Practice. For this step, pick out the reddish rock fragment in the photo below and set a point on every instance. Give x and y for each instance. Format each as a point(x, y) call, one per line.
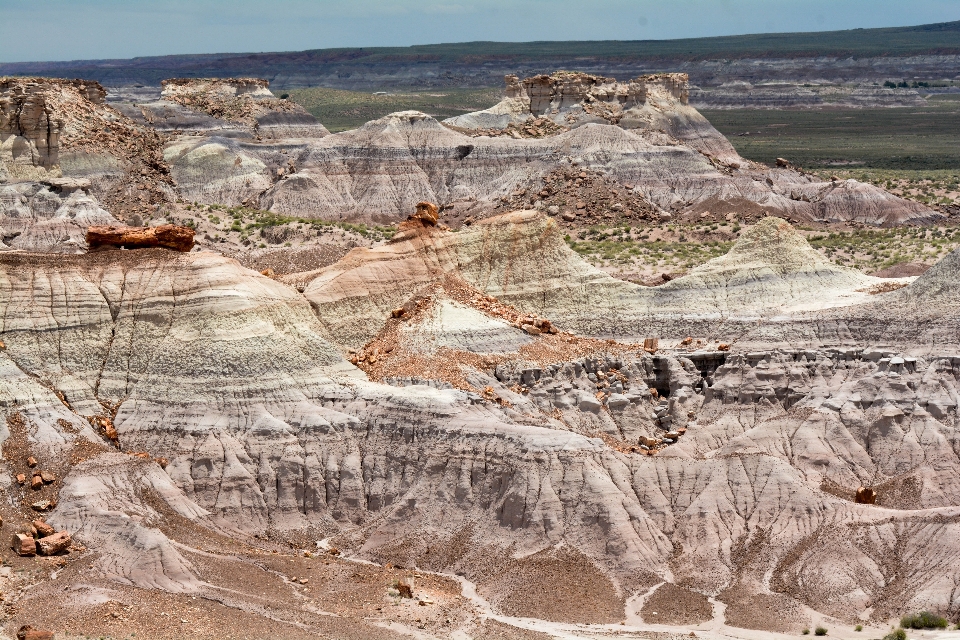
point(866, 495)
point(36, 482)
point(43, 529)
point(54, 544)
point(167, 236)
point(23, 544)
point(27, 632)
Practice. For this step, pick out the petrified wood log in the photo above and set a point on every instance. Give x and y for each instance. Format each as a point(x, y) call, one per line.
point(167, 236)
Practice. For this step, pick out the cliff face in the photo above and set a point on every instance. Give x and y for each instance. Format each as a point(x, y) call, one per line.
point(63, 128)
point(29, 129)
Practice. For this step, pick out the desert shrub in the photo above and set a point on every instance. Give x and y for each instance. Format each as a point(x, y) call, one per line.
point(897, 634)
point(923, 620)
point(805, 632)
point(820, 631)
point(859, 627)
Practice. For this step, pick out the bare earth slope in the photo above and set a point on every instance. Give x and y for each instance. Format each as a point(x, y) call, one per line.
point(642, 134)
point(521, 258)
point(267, 431)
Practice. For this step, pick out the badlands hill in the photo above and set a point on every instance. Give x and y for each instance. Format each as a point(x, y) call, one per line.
point(216, 457)
point(463, 429)
point(522, 259)
point(232, 144)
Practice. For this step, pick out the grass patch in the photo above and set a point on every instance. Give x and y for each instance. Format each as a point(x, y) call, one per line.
point(244, 220)
point(923, 620)
point(340, 110)
point(912, 138)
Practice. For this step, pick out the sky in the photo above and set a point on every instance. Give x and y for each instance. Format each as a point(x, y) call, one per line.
point(34, 30)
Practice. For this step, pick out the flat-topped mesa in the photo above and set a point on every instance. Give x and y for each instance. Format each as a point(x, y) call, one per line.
point(226, 87)
point(564, 89)
point(574, 98)
point(245, 101)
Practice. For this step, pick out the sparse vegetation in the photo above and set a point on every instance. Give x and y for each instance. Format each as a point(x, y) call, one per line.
point(820, 631)
point(805, 632)
point(923, 620)
point(909, 138)
point(680, 248)
point(896, 634)
point(859, 627)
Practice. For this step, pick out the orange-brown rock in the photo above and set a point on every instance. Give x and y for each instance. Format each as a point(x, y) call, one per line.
point(405, 587)
point(650, 345)
point(426, 215)
point(43, 529)
point(31, 461)
point(24, 545)
point(27, 632)
point(167, 236)
point(21, 478)
point(36, 482)
point(54, 544)
point(866, 495)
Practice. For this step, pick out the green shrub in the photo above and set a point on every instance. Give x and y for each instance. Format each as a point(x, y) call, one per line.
point(923, 620)
point(820, 631)
point(805, 632)
point(859, 627)
point(897, 634)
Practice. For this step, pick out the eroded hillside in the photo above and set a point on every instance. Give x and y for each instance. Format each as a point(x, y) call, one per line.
point(450, 424)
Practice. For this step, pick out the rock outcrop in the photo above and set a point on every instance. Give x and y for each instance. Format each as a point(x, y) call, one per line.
point(51, 216)
point(165, 236)
point(647, 467)
point(63, 128)
point(246, 102)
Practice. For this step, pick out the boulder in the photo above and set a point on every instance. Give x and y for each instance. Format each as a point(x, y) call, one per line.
point(617, 401)
point(43, 529)
point(27, 632)
point(866, 495)
point(427, 214)
point(167, 236)
point(54, 544)
point(23, 544)
point(405, 587)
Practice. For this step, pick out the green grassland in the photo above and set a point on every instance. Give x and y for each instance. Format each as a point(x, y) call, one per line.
point(341, 110)
point(914, 138)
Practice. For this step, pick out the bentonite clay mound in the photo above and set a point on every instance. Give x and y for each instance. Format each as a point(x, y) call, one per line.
point(165, 236)
point(267, 435)
point(522, 259)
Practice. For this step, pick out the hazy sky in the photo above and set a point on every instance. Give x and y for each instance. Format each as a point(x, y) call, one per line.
point(83, 29)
